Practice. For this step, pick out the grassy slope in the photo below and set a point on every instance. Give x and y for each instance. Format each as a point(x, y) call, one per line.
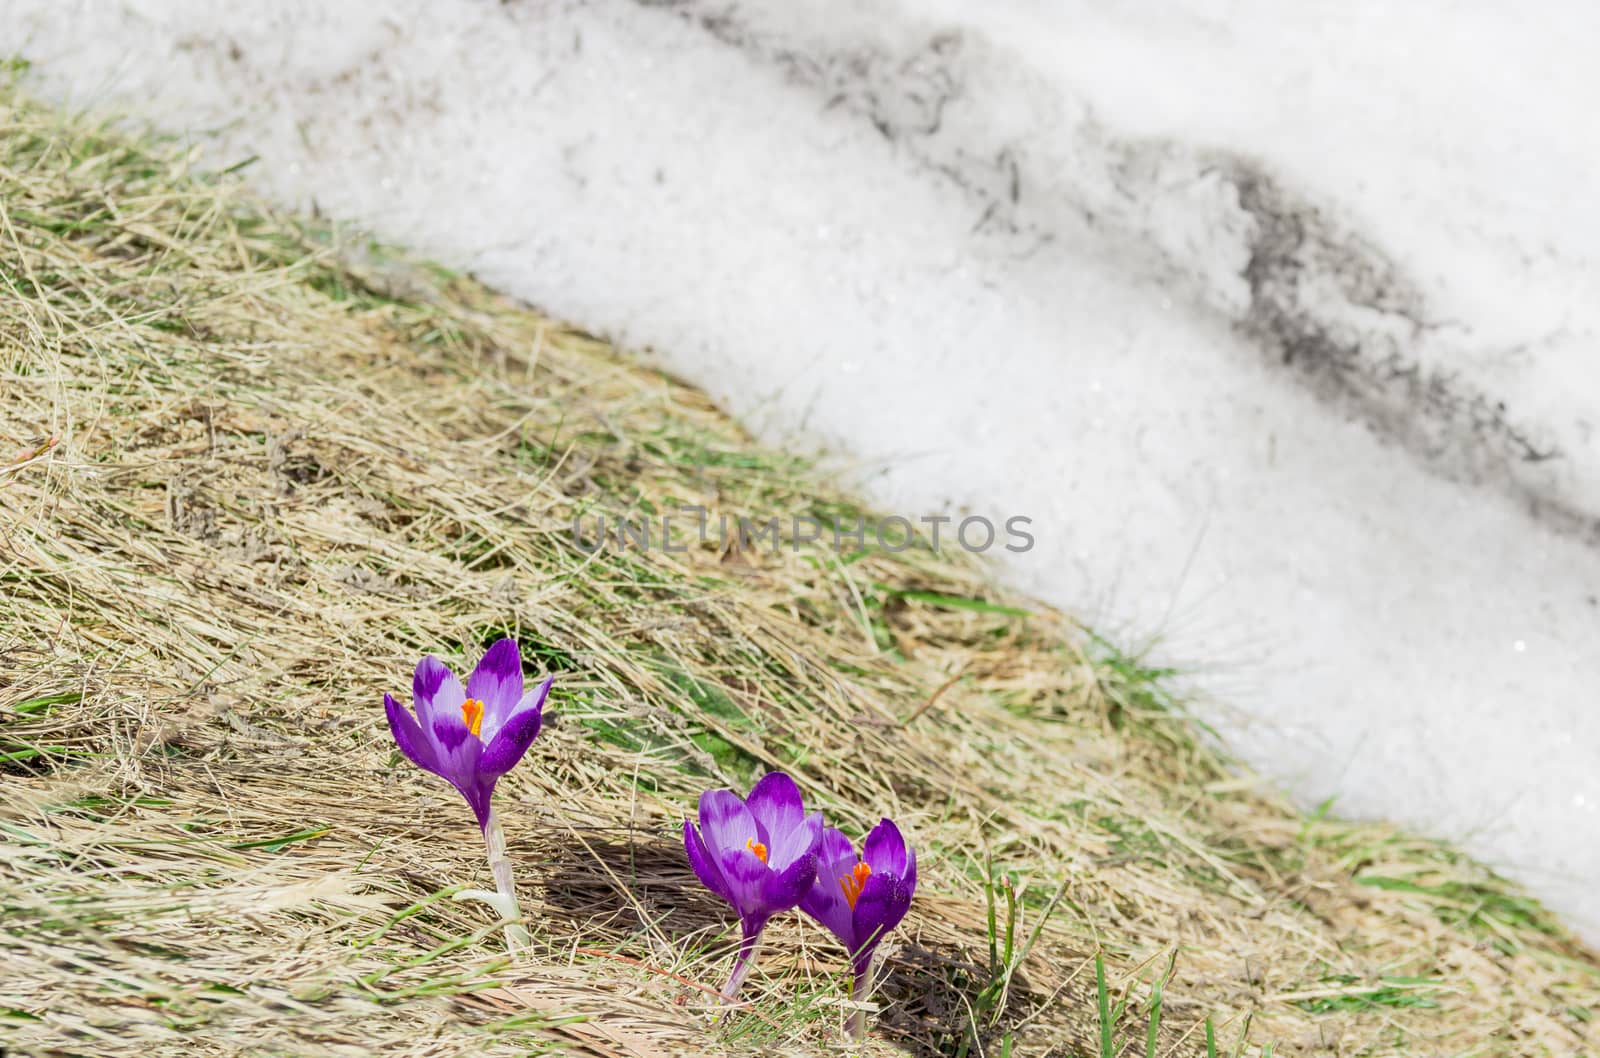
point(259, 474)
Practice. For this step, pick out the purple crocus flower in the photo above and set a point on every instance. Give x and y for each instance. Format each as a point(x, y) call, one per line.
point(469, 736)
point(759, 854)
point(860, 899)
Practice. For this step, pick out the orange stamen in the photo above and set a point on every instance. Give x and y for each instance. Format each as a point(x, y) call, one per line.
point(759, 849)
point(853, 882)
point(472, 713)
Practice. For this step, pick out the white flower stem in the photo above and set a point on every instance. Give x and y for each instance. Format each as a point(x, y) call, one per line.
point(855, 1025)
point(749, 945)
point(504, 898)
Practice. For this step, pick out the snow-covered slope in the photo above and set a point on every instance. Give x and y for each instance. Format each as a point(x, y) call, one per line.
point(1278, 320)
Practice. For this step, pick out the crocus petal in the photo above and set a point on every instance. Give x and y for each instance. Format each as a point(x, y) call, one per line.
point(449, 733)
point(836, 857)
point(803, 841)
point(783, 889)
point(746, 878)
point(885, 849)
point(497, 683)
point(825, 900)
point(726, 823)
point(408, 736)
point(533, 700)
point(774, 801)
point(512, 740)
point(790, 846)
point(878, 910)
point(705, 866)
point(455, 759)
point(436, 692)
point(479, 791)
point(458, 754)
point(835, 854)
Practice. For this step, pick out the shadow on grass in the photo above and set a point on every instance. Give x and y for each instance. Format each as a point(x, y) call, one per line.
point(602, 883)
point(928, 996)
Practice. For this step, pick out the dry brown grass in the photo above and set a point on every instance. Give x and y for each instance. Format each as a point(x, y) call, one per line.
point(258, 474)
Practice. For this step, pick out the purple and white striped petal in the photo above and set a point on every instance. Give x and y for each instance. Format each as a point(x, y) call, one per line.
point(825, 901)
point(408, 735)
point(759, 855)
point(704, 864)
point(497, 683)
point(774, 802)
point(870, 921)
point(725, 822)
point(457, 749)
point(861, 909)
point(746, 878)
point(439, 737)
point(506, 745)
point(783, 889)
point(435, 692)
point(885, 849)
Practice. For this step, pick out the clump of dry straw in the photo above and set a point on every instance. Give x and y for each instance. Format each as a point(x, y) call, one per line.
point(248, 475)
